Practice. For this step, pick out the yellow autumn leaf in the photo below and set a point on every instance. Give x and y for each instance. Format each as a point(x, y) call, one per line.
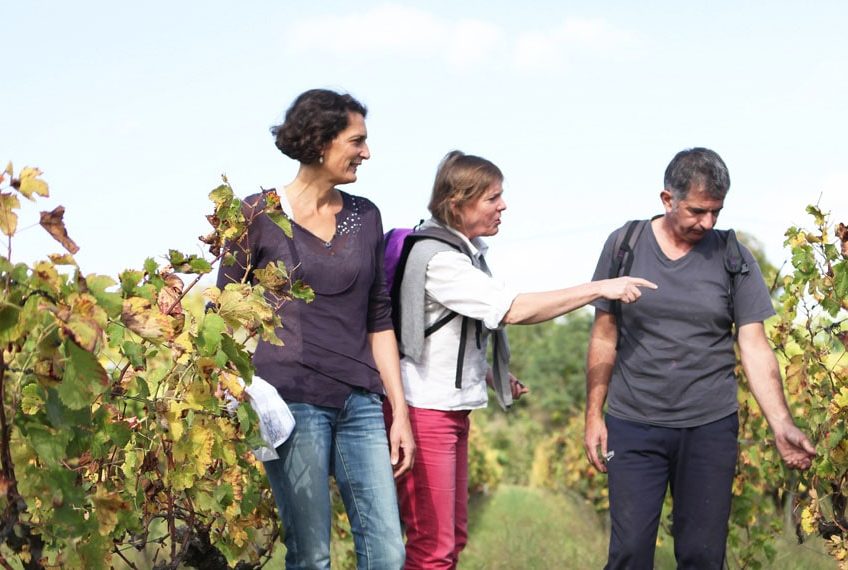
point(45, 272)
point(232, 384)
point(8, 218)
point(202, 441)
point(108, 504)
point(62, 259)
point(808, 520)
point(31, 183)
point(145, 320)
point(176, 424)
point(841, 399)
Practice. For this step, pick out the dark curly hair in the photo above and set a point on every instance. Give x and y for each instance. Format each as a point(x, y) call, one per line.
point(312, 121)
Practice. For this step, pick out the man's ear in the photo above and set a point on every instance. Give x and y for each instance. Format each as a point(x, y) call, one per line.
point(667, 199)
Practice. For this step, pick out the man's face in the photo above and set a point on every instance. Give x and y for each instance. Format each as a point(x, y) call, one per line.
point(692, 217)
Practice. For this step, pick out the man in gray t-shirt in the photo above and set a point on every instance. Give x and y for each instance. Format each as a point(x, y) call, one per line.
point(669, 381)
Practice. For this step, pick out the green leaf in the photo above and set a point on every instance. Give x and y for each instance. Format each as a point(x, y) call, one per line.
point(840, 280)
point(282, 222)
point(119, 432)
point(110, 301)
point(143, 390)
point(32, 399)
point(199, 266)
point(130, 280)
point(62, 417)
point(48, 443)
point(134, 353)
point(84, 378)
point(223, 494)
point(238, 356)
point(9, 319)
point(302, 291)
point(210, 333)
point(221, 195)
point(150, 266)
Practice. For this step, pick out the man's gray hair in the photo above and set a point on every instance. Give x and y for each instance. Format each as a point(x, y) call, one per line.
point(697, 167)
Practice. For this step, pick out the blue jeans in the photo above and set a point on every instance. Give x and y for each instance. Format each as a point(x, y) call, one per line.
point(698, 464)
point(349, 443)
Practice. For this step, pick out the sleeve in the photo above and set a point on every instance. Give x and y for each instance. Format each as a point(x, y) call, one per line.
point(379, 301)
point(602, 270)
point(243, 250)
point(454, 282)
point(751, 299)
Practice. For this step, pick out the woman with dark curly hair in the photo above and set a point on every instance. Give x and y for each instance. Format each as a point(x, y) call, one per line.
point(340, 355)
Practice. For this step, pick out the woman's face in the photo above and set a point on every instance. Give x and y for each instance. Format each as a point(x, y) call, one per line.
point(343, 155)
point(482, 217)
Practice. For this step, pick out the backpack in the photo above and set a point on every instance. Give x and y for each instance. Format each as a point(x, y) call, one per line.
point(398, 243)
point(622, 261)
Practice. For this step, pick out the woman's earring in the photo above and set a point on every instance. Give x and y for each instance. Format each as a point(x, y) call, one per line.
point(321, 159)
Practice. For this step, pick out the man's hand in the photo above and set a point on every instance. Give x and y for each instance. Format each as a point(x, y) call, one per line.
point(794, 447)
point(595, 442)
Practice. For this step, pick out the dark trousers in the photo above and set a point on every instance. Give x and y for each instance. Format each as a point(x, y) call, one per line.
point(698, 463)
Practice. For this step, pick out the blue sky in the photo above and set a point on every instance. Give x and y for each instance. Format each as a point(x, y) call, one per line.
point(134, 110)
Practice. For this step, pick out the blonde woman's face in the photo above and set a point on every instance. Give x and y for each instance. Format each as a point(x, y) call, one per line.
point(482, 217)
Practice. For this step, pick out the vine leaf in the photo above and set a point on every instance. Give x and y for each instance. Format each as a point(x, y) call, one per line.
point(142, 318)
point(53, 222)
point(108, 504)
point(30, 183)
point(8, 218)
point(84, 378)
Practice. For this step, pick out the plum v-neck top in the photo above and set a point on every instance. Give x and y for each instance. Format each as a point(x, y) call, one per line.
point(326, 353)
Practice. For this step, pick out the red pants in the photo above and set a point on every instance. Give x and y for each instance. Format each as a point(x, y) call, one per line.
point(433, 497)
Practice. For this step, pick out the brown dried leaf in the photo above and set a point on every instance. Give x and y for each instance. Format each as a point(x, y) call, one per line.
point(169, 295)
point(52, 222)
point(842, 234)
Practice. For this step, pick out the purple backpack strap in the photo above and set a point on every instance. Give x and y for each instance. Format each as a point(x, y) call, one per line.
point(393, 243)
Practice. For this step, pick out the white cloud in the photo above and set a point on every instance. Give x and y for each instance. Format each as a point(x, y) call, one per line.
point(574, 37)
point(396, 29)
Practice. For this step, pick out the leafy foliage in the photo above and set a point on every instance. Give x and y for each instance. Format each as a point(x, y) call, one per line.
point(115, 429)
point(812, 337)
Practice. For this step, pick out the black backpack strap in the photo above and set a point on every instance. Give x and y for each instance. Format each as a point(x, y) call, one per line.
point(440, 323)
point(734, 264)
point(460, 357)
point(734, 261)
point(622, 261)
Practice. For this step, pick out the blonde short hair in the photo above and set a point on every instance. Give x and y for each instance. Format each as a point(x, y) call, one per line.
point(460, 178)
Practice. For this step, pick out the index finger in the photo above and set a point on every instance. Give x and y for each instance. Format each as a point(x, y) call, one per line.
point(639, 282)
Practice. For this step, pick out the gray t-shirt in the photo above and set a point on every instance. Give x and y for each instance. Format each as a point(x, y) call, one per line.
point(675, 362)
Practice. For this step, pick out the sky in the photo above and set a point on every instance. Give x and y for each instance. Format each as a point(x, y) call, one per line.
point(134, 110)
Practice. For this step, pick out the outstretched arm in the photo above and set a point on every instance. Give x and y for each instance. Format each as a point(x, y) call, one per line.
point(531, 308)
point(763, 375)
point(599, 365)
